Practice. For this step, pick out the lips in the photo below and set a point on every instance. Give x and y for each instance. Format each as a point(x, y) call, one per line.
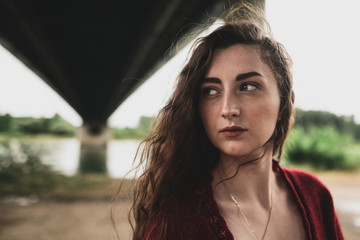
point(232, 131)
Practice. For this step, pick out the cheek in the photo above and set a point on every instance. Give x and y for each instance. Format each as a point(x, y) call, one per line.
point(267, 115)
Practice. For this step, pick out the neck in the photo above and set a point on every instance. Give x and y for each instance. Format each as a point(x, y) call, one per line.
point(247, 181)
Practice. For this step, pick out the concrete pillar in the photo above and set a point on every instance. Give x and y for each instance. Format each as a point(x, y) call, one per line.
point(94, 137)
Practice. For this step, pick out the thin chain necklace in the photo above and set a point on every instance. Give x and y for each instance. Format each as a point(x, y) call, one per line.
point(247, 221)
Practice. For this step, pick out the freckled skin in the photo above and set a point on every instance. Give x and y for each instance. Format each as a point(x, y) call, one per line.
point(251, 103)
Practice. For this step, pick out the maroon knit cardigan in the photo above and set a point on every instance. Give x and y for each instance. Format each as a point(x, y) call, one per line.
point(196, 215)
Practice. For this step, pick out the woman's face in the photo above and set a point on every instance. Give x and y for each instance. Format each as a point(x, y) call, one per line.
point(239, 103)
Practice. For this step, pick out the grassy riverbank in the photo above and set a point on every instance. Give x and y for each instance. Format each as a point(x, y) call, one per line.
point(53, 186)
point(46, 184)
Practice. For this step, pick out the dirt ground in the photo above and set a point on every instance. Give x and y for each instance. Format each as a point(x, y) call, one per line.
point(90, 219)
point(60, 221)
point(345, 189)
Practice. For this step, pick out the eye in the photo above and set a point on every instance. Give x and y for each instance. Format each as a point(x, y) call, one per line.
point(248, 87)
point(210, 91)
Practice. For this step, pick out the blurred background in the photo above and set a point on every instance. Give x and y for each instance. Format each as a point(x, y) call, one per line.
point(80, 85)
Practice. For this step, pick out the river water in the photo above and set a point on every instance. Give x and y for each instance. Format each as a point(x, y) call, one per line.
point(63, 154)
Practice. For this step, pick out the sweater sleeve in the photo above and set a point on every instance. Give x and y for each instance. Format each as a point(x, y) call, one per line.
point(317, 204)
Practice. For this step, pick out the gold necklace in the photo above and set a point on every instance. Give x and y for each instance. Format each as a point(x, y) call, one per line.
point(247, 221)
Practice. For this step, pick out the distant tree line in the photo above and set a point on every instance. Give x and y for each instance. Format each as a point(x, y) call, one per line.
point(324, 141)
point(29, 125)
point(139, 132)
point(345, 125)
point(58, 126)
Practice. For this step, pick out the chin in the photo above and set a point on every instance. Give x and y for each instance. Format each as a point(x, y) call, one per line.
point(235, 153)
point(238, 152)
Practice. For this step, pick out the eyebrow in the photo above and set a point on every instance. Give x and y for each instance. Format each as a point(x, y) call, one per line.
point(243, 76)
point(239, 77)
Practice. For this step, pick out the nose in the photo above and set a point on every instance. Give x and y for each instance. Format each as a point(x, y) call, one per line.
point(230, 108)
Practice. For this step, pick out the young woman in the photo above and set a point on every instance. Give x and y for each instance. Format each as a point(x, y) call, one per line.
point(210, 169)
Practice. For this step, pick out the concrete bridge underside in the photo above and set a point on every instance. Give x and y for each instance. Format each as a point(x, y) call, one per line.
point(95, 53)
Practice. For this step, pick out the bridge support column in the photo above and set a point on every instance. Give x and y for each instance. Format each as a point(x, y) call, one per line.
point(94, 138)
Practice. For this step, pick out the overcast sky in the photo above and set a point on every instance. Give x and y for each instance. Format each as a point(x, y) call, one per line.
point(322, 37)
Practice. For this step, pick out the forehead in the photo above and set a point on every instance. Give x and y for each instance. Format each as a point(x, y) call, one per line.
point(238, 57)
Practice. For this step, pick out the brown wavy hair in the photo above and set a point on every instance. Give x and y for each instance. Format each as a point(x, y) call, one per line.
point(177, 150)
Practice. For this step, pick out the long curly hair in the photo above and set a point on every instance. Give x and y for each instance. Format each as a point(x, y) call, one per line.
point(177, 150)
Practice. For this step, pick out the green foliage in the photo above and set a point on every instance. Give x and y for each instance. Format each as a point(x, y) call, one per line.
point(145, 123)
point(322, 148)
point(343, 124)
point(19, 163)
point(6, 123)
point(126, 133)
point(356, 132)
point(31, 126)
point(58, 126)
point(28, 125)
